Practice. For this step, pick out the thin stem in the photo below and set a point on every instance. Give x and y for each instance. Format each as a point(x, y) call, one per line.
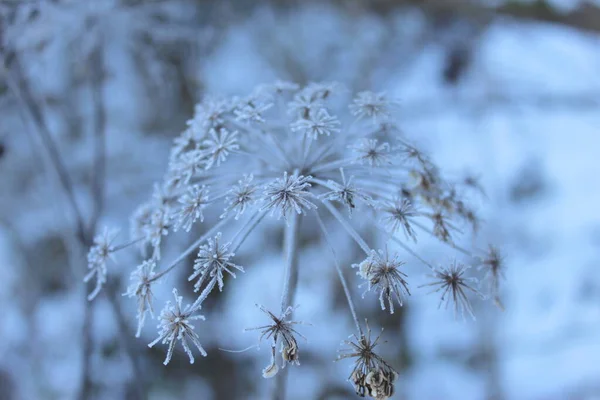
point(291, 264)
point(289, 290)
point(190, 249)
point(340, 274)
point(351, 231)
point(98, 178)
point(21, 92)
point(408, 249)
point(249, 227)
point(204, 294)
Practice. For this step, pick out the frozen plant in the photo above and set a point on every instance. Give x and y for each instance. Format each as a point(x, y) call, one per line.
point(307, 154)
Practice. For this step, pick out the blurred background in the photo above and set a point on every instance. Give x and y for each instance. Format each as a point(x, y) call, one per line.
point(506, 90)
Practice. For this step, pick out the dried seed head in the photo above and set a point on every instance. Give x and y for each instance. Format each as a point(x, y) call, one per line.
point(175, 325)
point(382, 272)
point(288, 194)
point(281, 329)
point(371, 374)
point(453, 284)
point(140, 288)
point(345, 192)
point(399, 215)
point(191, 205)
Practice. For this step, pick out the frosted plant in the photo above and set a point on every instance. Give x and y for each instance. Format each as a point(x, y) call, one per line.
point(300, 155)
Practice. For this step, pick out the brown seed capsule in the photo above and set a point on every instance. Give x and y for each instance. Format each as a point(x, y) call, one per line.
point(290, 353)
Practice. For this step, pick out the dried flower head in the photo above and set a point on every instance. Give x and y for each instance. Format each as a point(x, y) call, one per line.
point(345, 192)
point(99, 254)
point(317, 123)
point(192, 204)
point(399, 215)
point(288, 194)
point(382, 272)
point(493, 265)
point(282, 329)
point(453, 284)
point(241, 196)
point(372, 153)
point(212, 261)
point(371, 374)
point(140, 288)
point(218, 145)
point(175, 325)
point(372, 105)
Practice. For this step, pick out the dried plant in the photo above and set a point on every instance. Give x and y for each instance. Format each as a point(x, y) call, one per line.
point(287, 152)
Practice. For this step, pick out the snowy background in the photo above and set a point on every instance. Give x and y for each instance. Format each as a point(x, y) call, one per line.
point(509, 91)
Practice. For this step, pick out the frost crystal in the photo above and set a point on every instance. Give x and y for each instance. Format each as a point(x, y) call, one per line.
point(175, 325)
